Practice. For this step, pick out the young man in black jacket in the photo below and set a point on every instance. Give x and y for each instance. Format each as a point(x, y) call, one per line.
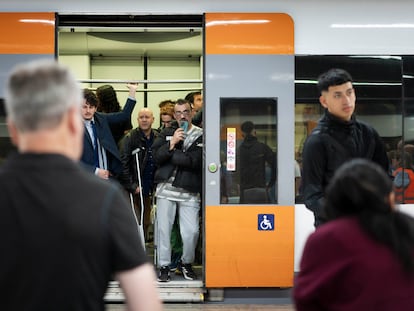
point(253, 158)
point(178, 152)
point(337, 138)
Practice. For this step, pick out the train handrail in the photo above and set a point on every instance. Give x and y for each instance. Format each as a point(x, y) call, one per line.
point(111, 81)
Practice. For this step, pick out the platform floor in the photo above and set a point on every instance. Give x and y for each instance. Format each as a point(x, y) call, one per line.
point(212, 307)
point(280, 302)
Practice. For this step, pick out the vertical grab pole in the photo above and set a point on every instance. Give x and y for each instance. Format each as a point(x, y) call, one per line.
point(141, 222)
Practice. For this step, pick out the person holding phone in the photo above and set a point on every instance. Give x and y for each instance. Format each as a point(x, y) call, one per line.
point(178, 153)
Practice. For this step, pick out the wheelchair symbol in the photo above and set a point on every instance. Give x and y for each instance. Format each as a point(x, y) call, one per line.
point(266, 222)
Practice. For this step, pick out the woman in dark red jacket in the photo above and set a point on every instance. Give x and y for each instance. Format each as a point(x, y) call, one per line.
point(363, 258)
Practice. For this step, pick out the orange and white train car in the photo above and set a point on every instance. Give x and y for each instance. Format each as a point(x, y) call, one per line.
point(255, 60)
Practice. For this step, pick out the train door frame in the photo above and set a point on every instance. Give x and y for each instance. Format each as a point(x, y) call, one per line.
point(177, 289)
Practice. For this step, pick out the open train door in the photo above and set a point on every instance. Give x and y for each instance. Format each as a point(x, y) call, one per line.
point(249, 76)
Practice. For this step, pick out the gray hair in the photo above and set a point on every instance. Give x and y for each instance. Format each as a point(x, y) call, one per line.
point(39, 93)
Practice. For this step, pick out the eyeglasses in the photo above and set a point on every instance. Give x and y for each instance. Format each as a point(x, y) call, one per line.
point(185, 113)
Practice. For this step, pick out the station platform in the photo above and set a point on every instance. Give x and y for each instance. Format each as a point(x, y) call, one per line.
point(177, 290)
point(213, 307)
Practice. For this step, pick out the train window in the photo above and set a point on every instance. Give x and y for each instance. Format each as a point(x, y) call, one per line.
point(384, 86)
point(248, 143)
point(404, 158)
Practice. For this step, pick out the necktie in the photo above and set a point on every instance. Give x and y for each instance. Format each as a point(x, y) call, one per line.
point(95, 144)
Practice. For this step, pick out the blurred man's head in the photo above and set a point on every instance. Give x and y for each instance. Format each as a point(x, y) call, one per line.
point(43, 102)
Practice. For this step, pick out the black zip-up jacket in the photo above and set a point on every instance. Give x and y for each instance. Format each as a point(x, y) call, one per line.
point(253, 156)
point(332, 143)
point(131, 142)
point(188, 164)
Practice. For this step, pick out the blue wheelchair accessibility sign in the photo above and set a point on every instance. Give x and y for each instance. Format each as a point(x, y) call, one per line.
point(265, 222)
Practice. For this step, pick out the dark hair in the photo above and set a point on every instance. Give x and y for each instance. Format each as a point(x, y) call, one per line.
point(181, 101)
point(108, 102)
point(361, 188)
point(247, 127)
point(90, 97)
point(333, 77)
point(190, 96)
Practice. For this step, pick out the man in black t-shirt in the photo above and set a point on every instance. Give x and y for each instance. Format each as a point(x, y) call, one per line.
point(63, 232)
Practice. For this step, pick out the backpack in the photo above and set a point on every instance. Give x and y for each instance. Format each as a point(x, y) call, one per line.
point(402, 179)
point(332, 144)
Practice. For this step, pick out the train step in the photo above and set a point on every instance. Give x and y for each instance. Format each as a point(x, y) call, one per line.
point(173, 291)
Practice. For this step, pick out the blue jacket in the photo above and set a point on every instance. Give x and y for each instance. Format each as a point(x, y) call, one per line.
point(102, 123)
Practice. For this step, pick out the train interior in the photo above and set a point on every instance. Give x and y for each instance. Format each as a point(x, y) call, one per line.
point(165, 54)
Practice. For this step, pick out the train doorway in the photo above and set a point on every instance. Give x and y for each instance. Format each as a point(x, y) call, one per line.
point(164, 55)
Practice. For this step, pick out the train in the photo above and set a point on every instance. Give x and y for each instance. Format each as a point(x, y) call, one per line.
point(252, 60)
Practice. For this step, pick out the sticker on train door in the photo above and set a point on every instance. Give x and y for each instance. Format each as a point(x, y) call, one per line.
point(266, 222)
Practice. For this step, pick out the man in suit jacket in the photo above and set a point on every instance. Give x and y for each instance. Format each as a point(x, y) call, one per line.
point(102, 157)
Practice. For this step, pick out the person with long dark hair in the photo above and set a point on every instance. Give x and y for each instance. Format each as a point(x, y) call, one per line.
point(108, 103)
point(363, 257)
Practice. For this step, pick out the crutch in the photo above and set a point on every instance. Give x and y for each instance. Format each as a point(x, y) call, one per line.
point(139, 223)
point(131, 198)
point(155, 228)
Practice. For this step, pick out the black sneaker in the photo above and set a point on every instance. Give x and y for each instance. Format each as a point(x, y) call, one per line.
point(164, 275)
point(186, 270)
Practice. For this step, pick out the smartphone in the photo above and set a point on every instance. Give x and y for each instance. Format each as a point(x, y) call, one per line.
point(184, 126)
